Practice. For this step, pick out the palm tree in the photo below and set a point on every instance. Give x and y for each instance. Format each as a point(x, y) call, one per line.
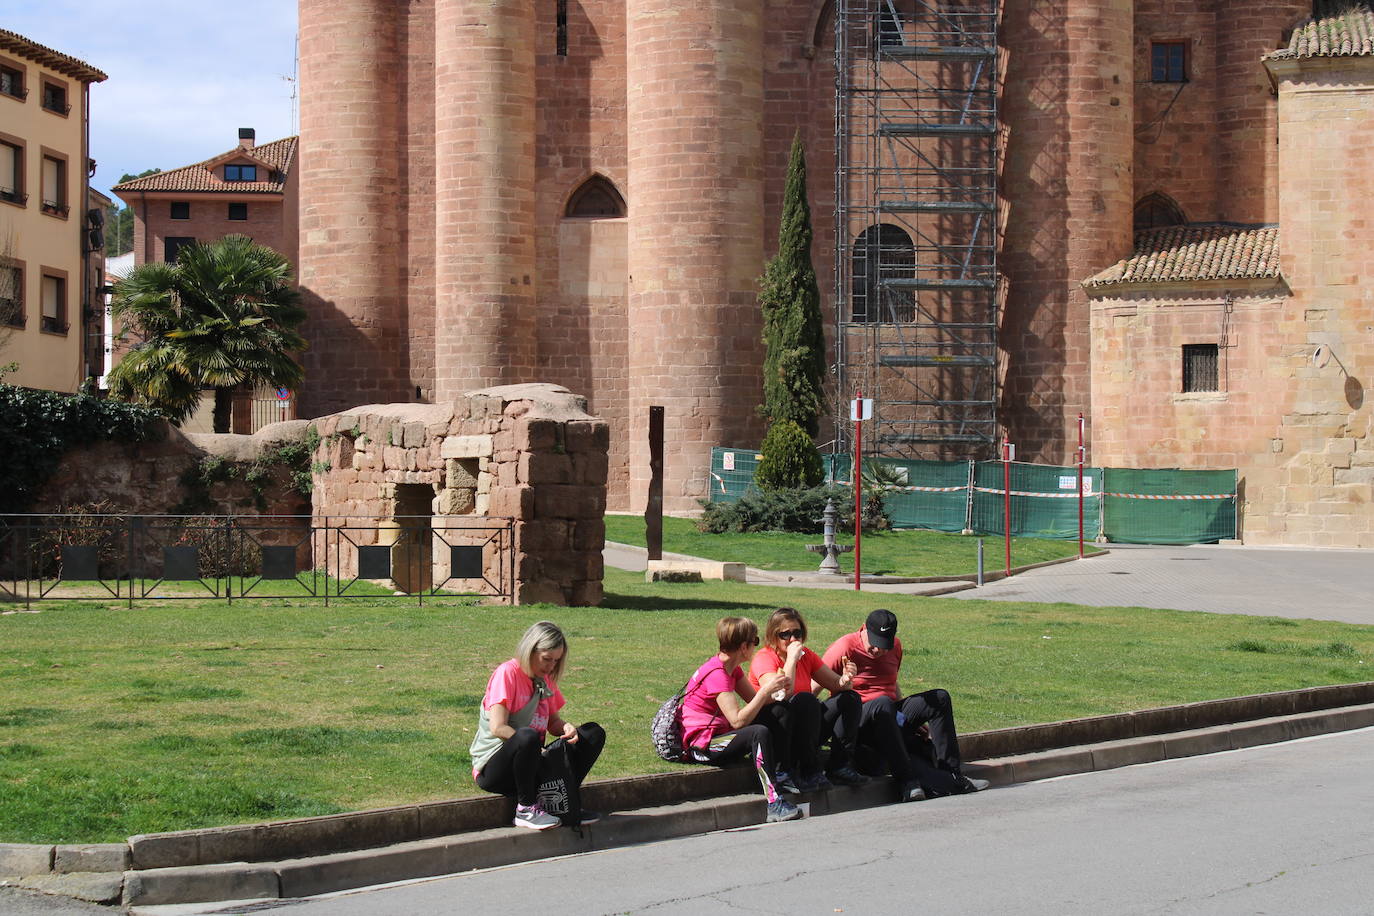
point(222, 316)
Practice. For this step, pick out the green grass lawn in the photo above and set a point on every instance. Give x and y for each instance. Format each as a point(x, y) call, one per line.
point(168, 716)
point(893, 553)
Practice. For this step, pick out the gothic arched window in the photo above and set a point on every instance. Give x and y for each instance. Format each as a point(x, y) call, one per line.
point(596, 198)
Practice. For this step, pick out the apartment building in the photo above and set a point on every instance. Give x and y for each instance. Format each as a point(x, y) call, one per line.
point(51, 251)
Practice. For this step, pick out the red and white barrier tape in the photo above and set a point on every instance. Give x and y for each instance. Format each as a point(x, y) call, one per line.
point(1157, 496)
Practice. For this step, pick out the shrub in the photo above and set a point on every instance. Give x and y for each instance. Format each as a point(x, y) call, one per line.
point(38, 427)
point(797, 510)
point(789, 459)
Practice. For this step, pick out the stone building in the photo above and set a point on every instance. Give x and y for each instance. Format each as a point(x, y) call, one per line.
point(50, 258)
point(584, 193)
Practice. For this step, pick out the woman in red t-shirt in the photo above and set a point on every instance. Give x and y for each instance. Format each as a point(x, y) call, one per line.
point(811, 722)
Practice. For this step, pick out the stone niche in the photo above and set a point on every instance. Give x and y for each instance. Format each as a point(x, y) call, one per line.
point(421, 479)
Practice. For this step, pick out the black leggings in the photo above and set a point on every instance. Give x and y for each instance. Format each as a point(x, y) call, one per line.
point(800, 718)
point(753, 743)
point(840, 726)
point(880, 737)
point(514, 768)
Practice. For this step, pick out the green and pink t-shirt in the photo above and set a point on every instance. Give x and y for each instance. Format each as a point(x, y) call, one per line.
point(513, 688)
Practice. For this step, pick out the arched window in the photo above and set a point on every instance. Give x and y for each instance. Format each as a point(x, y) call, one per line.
point(1155, 211)
point(597, 198)
point(882, 252)
point(891, 27)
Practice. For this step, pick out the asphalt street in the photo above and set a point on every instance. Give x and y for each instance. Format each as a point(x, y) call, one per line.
point(1273, 582)
point(1276, 829)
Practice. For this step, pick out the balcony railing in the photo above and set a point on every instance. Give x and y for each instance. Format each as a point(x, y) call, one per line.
point(56, 209)
point(14, 196)
point(54, 325)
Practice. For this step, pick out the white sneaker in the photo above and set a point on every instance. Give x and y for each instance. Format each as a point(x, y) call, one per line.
point(534, 817)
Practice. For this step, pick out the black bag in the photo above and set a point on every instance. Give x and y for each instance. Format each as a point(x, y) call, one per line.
point(666, 728)
point(559, 793)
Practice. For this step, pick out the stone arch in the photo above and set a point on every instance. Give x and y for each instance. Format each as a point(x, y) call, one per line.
point(595, 198)
point(1157, 210)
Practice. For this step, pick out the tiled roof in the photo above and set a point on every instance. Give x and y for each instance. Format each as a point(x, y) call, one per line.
point(65, 64)
point(1348, 32)
point(1196, 251)
point(275, 157)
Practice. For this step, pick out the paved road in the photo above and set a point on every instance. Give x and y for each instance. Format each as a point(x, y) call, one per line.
point(1277, 829)
point(15, 901)
point(1272, 582)
point(1320, 584)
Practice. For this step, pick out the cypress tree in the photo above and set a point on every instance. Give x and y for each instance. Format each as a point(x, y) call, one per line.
point(794, 364)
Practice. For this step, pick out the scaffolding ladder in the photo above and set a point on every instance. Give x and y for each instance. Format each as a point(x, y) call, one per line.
point(916, 293)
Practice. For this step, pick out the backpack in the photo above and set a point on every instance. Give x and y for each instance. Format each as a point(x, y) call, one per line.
point(666, 728)
point(559, 793)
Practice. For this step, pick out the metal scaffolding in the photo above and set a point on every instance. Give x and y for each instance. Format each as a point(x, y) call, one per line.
point(916, 291)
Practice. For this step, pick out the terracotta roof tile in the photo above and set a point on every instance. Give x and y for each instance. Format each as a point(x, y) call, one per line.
point(65, 64)
point(1348, 32)
point(276, 156)
point(1196, 251)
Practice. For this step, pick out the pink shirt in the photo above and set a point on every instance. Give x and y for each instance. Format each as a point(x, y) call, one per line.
point(702, 719)
point(766, 660)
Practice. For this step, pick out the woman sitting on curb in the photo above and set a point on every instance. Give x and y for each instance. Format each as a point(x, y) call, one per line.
point(718, 730)
point(812, 723)
point(521, 706)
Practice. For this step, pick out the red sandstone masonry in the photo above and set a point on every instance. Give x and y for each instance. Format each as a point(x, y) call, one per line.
point(349, 269)
point(696, 177)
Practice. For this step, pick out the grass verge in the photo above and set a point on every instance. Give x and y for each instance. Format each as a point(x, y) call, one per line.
point(889, 553)
point(189, 714)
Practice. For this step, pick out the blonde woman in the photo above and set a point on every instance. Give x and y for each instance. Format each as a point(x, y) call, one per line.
point(520, 708)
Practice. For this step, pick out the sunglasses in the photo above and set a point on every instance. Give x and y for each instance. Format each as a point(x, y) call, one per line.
point(789, 634)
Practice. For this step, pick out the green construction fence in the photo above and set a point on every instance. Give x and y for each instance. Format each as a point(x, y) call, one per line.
point(1161, 506)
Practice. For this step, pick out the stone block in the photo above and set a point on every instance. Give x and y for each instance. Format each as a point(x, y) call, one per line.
point(534, 434)
point(591, 468)
point(1050, 764)
point(1201, 741)
point(538, 468)
point(589, 534)
point(586, 594)
point(200, 884)
point(564, 501)
point(515, 502)
point(164, 850)
point(587, 436)
point(539, 591)
point(651, 824)
point(25, 859)
point(461, 472)
point(707, 569)
point(102, 857)
point(454, 501)
point(466, 447)
point(412, 435)
point(97, 887)
point(1113, 754)
point(672, 575)
point(544, 536)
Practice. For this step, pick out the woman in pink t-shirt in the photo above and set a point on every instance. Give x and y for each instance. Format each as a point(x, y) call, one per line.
point(520, 708)
point(726, 720)
point(811, 722)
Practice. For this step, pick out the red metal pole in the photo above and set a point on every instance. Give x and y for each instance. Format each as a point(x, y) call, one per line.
point(1006, 501)
point(858, 488)
point(1080, 486)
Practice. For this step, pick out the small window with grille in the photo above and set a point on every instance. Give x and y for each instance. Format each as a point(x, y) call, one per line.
point(1200, 367)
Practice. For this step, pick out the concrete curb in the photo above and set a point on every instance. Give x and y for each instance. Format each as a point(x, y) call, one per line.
point(506, 845)
point(313, 855)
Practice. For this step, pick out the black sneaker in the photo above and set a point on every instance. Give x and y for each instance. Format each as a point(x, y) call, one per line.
point(785, 783)
point(847, 776)
point(589, 817)
point(966, 785)
point(912, 791)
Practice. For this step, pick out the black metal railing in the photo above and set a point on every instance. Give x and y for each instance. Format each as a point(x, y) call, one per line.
point(178, 557)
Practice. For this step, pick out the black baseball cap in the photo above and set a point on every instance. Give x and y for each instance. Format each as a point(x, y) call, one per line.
point(882, 629)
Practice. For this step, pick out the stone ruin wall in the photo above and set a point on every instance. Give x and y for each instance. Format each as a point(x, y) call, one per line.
point(528, 453)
